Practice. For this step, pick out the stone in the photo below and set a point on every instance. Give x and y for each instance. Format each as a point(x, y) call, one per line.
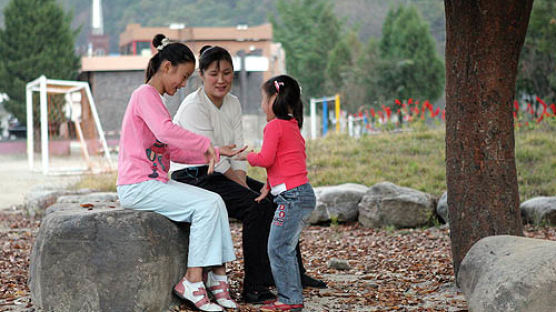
point(106, 259)
point(338, 202)
point(338, 264)
point(386, 204)
point(509, 273)
point(89, 198)
point(539, 210)
point(442, 208)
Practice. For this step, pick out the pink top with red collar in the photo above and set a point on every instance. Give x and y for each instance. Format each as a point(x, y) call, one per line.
point(149, 140)
point(282, 154)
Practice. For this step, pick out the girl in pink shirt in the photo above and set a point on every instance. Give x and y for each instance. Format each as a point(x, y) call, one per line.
point(149, 140)
point(283, 156)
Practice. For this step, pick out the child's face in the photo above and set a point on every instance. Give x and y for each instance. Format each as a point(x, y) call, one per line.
point(176, 76)
point(266, 105)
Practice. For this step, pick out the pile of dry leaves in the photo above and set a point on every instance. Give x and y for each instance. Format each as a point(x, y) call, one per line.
point(390, 270)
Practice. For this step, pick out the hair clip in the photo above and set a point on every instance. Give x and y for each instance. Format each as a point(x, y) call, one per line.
point(277, 85)
point(163, 44)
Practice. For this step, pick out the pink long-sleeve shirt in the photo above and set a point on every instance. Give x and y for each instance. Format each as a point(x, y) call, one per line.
point(149, 140)
point(282, 154)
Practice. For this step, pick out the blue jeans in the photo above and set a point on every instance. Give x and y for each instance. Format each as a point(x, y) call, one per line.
point(294, 207)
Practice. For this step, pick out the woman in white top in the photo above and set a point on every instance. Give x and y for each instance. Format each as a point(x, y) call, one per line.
point(213, 112)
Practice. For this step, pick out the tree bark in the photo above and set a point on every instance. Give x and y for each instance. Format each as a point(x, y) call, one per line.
point(483, 42)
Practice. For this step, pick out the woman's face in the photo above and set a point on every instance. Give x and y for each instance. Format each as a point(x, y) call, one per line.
point(217, 79)
point(176, 76)
point(266, 105)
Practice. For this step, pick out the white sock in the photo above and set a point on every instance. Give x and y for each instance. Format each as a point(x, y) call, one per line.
point(194, 285)
point(219, 278)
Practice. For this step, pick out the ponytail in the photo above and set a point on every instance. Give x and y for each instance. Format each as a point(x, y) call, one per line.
point(288, 97)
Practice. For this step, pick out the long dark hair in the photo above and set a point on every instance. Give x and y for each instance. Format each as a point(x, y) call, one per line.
point(175, 52)
point(210, 54)
point(288, 97)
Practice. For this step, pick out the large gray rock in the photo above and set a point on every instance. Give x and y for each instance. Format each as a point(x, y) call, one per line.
point(510, 273)
point(539, 210)
point(338, 202)
point(442, 208)
point(40, 197)
point(386, 204)
point(106, 259)
point(89, 198)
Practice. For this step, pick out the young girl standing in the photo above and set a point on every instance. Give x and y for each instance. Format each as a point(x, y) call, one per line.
point(283, 156)
point(149, 140)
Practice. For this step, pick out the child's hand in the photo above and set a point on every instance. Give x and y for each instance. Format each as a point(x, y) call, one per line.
point(264, 193)
point(211, 157)
point(228, 150)
point(243, 155)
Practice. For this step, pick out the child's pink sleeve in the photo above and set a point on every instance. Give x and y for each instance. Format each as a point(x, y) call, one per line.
point(151, 109)
point(265, 158)
point(190, 157)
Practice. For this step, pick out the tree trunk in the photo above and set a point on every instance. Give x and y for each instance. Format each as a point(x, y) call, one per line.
point(483, 42)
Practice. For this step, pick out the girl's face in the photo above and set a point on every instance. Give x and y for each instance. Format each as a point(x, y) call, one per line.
point(176, 76)
point(217, 80)
point(266, 105)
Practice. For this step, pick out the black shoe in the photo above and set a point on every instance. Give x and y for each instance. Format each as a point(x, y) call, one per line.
point(258, 296)
point(308, 281)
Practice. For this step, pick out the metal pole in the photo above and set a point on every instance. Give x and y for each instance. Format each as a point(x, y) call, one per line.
point(337, 108)
point(313, 108)
point(242, 81)
point(324, 117)
point(44, 125)
point(30, 147)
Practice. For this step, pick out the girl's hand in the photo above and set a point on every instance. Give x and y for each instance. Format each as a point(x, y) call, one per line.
point(211, 157)
point(243, 155)
point(264, 193)
point(228, 150)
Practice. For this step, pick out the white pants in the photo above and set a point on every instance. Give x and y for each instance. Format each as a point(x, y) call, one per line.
point(210, 240)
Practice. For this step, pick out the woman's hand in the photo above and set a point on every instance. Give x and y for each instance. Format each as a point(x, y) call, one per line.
point(228, 150)
point(211, 157)
point(264, 193)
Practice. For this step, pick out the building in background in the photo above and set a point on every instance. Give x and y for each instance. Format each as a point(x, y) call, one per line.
point(113, 78)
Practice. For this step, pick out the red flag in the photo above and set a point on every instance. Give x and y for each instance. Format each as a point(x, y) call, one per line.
point(516, 105)
point(410, 101)
point(373, 112)
point(398, 102)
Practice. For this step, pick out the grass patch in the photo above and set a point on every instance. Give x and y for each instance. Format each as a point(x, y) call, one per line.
point(411, 159)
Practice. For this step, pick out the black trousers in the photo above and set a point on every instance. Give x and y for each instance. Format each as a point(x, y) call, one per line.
point(255, 217)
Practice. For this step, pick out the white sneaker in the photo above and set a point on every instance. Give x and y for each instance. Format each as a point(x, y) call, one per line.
point(198, 297)
point(220, 290)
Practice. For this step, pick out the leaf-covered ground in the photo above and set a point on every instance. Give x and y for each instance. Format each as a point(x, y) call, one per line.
point(391, 270)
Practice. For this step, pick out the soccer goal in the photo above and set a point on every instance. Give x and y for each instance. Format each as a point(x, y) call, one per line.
point(68, 118)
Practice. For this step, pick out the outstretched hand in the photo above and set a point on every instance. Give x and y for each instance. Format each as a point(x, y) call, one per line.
point(243, 154)
point(264, 193)
point(228, 150)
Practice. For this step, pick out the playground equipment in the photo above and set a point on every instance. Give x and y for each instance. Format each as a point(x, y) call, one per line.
point(50, 86)
point(313, 109)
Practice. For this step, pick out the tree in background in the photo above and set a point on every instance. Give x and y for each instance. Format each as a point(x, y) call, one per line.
point(37, 40)
point(537, 75)
point(410, 66)
point(308, 30)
